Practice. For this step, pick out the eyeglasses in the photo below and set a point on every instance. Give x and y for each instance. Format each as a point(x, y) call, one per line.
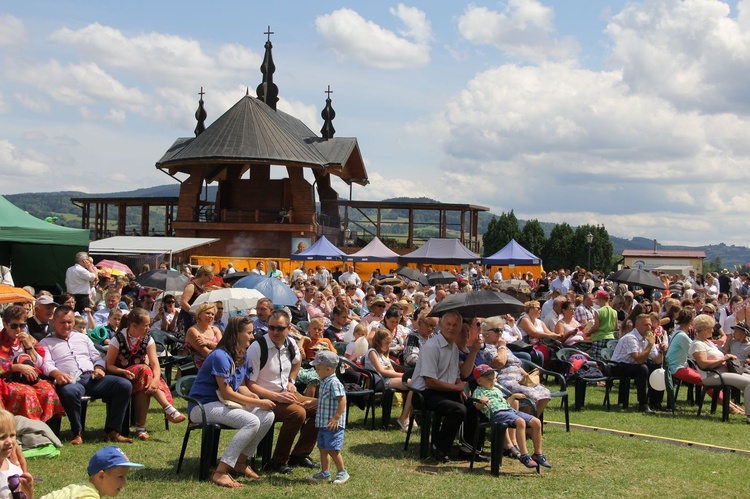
point(496, 330)
point(277, 329)
point(708, 311)
point(169, 302)
point(17, 326)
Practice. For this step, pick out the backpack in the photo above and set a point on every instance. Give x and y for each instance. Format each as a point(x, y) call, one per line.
point(581, 366)
point(264, 351)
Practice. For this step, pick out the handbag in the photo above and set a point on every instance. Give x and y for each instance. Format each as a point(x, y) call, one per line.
point(531, 379)
point(229, 403)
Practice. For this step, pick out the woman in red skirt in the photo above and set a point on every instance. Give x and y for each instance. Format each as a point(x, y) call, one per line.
point(132, 355)
point(21, 359)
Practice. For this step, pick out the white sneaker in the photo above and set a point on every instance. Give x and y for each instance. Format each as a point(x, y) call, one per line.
point(341, 477)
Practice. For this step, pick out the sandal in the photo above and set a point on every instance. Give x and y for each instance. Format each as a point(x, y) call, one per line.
point(512, 452)
point(225, 480)
point(248, 472)
point(143, 435)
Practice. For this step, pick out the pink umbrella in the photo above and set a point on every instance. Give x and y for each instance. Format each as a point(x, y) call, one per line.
point(114, 267)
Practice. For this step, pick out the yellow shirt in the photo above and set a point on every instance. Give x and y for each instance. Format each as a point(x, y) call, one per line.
point(74, 491)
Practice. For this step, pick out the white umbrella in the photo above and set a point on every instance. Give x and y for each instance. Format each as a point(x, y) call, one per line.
point(234, 299)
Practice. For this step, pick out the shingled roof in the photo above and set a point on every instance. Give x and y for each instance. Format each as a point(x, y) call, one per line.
point(252, 132)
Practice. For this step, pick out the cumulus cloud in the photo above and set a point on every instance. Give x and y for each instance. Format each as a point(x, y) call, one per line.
point(693, 54)
point(12, 31)
point(35, 103)
point(354, 38)
point(524, 30)
point(20, 163)
point(644, 154)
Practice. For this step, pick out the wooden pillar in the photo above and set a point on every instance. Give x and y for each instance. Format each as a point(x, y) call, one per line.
point(122, 211)
point(377, 225)
point(463, 229)
point(410, 238)
point(168, 217)
point(144, 219)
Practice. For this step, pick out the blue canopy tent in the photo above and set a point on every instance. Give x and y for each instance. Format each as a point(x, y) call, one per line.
point(441, 251)
point(322, 250)
point(515, 255)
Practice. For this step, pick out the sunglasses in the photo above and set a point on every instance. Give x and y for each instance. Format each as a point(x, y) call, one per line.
point(496, 330)
point(277, 329)
point(17, 326)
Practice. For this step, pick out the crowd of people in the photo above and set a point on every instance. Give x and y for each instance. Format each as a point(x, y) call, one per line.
point(278, 364)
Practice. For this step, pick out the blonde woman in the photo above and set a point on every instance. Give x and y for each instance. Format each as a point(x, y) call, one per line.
point(202, 338)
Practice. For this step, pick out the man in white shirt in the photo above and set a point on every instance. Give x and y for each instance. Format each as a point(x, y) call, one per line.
point(636, 355)
point(79, 278)
point(498, 275)
point(561, 282)
point(322, 276)
point(78, 369)
point(230, 268)
point(275, 381)
point(554, 315)
point(258, 269)
point(350, 277)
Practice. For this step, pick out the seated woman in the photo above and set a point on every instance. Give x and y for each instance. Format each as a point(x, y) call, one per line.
point(511, 374)
point(132, 355)
point(399, 332)
point(203, 337)
point(530, 324)
point(377, 360)
point(318, 307)
point(166, 317)
point(569, 329)
point(492, 331)
point(21, 359)
point(707, 355)
point(225, 372)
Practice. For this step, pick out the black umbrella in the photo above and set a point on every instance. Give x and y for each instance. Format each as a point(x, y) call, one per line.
point(232, 278)
point(440, 277)
point(166, 280)
point(637, 277)
point(479, 304)
point(412, 275)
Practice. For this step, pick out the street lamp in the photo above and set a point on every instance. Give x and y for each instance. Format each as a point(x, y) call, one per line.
point(589, 240)
point(347, 234)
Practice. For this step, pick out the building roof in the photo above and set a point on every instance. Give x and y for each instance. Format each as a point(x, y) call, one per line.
point(251, 132)
point(665, 253)
point(146, 245)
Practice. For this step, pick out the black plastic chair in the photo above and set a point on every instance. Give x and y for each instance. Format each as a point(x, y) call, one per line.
point(579, 383)
point(165, 344)
point(365, 393)
point(210, 432)
point(721, 388)
point(497, 440)
point(428, 421)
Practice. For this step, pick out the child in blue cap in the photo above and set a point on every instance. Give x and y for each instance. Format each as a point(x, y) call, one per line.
point(108, 475)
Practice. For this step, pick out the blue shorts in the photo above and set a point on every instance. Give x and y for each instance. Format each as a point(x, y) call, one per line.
point(508, 417)
point(330, 440)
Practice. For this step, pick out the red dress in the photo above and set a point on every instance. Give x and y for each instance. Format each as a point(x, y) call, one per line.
point(38, 401)
point(132, 356)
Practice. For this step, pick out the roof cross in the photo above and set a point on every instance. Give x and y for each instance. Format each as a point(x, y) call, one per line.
point(269, 33)
point(329, 91)
point(201, 93)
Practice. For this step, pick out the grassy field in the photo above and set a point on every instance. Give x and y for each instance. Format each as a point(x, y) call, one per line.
point(585, 463)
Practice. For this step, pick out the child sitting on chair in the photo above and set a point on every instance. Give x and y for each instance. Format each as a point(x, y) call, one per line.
point(498, 410)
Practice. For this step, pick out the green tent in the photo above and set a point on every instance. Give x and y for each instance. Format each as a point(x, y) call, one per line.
point(38, 252)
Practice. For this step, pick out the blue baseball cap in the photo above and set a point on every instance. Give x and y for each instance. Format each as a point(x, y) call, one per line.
point(109, 457)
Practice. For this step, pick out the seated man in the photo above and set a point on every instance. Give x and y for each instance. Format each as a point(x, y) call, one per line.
point(111, 301)
point(438, 376)
point(272, 377)
point(78, 369)
point(636, 356)
point(39, 324)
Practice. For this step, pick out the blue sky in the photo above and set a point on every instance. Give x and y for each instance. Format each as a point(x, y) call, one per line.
point(629, 114)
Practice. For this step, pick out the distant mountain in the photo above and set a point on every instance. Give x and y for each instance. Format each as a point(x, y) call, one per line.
point(58, 204)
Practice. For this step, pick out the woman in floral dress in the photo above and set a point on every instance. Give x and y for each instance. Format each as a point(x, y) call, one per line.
point(21, 359)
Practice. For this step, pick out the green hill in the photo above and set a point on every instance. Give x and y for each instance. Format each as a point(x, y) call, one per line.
point(58, 204)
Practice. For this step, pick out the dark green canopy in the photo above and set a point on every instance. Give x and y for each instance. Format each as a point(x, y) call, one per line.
point(38, 252)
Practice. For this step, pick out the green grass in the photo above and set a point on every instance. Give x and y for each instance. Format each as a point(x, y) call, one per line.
point(585, 463)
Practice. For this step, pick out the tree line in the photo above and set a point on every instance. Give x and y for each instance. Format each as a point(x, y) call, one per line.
point(564, 248)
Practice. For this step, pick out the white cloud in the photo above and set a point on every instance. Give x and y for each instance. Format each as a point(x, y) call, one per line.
point(307, 113)
point(20, 163)
point(524, 30)
point(35, 103)
point(115, 116)
point(354, 38)
point(692, 53)
point(12, 31)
